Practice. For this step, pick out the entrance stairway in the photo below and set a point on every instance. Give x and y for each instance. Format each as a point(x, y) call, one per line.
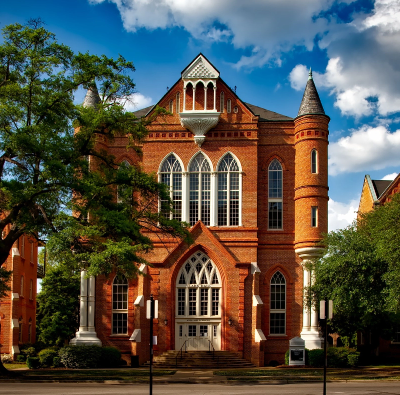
point(200, 360)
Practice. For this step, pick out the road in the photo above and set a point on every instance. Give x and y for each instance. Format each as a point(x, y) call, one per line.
point(353, 388)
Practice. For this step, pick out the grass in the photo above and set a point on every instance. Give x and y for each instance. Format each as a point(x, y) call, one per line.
point(15, 365)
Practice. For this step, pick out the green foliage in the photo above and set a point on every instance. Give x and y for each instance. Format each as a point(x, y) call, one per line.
point(33, 362)
point(5, 276)
point(21, 358)
point(360, 272)
point(79, 357)
point(287, 357)
point(58, 307)
point(353, 359)
point(337, 356)
point(57, 362)
point(110, 357)
point(47, 355)
point(316, 358)
point(28, 350)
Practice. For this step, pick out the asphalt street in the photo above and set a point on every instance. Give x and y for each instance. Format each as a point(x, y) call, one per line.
point(353, 388)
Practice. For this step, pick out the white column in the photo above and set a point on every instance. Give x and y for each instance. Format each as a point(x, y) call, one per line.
point(91, 303)
point(83, 303)
point(314, 311)
point(185, 197)
point(215, 98)
point(184, 99)
point(205, 98)
point(306, 310)
point(194, 98)
point(213, 199)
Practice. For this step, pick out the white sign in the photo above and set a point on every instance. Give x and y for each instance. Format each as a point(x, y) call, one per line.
point(148, 307)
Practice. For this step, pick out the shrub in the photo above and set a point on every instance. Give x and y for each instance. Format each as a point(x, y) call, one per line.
point(316, 358)
point(353, 358)
point(110, 357)
point(77, 357)
point(33, 362)
point(337, 356)
point(21, 358)
point(47, 355)
point(7, 358)
point(57, 362)
point(287, 357)
point(29, 352)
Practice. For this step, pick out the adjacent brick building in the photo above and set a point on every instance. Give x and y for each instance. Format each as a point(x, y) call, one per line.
point(253, 185)
point(18, 308)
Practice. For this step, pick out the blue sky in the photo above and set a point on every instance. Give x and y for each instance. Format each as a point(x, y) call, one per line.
point(264, 48)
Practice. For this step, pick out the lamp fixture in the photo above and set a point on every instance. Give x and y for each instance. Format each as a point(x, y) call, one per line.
point(230, 322)
point(165, 322)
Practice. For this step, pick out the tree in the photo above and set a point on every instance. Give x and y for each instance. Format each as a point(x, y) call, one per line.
point(359, 272)
point(48, 188)
point(58, 307)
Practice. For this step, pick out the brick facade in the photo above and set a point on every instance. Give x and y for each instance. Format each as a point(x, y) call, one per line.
point(247, 256)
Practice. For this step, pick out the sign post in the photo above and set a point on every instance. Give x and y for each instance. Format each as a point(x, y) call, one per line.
point(325, 312)
point(151, 313)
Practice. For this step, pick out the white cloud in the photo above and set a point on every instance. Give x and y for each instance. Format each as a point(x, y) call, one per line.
point(299, 75)
point(137, 101)
point(368, 148)
point(390, 177)
point(341, 215)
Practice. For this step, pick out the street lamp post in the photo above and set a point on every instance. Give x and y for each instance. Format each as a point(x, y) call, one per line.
point(325, 312)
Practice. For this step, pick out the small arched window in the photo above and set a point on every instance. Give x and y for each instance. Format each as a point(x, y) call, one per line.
point(222, 102)
point(277, 322)
point(199, 190)
point(171, 106)
point(171, 175)
point(22, 252)
point(20, 327)
point(229, 106)
point(30, 331)
point(31, 289)
point(22, 287)
point(228, 192)
point(275, 195)
point(120, 305)
point(314, 161)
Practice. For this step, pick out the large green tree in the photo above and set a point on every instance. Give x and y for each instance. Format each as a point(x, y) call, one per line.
point(51, 166)
point(360, 273)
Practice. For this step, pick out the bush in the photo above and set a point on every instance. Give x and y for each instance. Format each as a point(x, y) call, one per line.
point(287, 357)
point(110, 357)
point(353, 358)
point(7, 358)
point(78, 357)
point(57, 362)
point(21, 358)
point(47, 355)
point(316, 357)
point(33, 362)
point(29, 352)
point(337, 356)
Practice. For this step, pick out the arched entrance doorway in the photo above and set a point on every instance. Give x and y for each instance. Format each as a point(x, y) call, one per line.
point(198, 304)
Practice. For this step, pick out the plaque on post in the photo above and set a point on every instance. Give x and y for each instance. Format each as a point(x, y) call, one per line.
point(297, 352)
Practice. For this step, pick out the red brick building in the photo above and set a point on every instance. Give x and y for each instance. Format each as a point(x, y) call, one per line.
point(18, 308)
point(252, 183)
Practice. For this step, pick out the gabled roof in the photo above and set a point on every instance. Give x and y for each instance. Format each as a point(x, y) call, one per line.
point(267, 115)
point(311, 103)
point(380, 186)
point(200, 67)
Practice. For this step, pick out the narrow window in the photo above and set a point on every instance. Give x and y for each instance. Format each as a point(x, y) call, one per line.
point(314, 216)
point(178, 102)
point(20, 331)
point(22, 287)
point(275, 195)
point(314, 161)
point(171, 175)
point(228, 192)
point(222, 102)
point(22, 252)
point(30, 331)
point(229, 106)
point(278, 305)
point(31, 289)
point(199, 190)
point(120, 305)
point(171, 106)
point(32, 251)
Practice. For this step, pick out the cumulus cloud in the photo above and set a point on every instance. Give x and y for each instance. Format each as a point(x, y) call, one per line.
point(299, 75)
point(390, 177)
point(137, 101)
point(341, 215)
point(368, 148)
point(271, 26)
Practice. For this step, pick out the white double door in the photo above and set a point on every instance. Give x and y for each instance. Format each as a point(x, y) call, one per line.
point(201, 336)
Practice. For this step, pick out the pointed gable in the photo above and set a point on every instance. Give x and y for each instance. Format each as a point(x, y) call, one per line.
point(311, 103)
point(200, 68)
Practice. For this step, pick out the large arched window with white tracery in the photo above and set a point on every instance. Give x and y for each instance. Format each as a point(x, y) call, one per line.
point(120, 305)
point(228, 192)
point(198, 288)
point(277, 322)
point(275, 195)
point(199, 189)
point(171, 175)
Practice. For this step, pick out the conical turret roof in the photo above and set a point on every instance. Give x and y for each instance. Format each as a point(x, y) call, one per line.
point(92, 98)
point(311, 103)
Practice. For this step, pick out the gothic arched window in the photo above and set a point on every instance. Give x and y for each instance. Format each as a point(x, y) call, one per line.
point(314, 161)
point(171, 175)
point(199, 189)
point(275, 195)
point(221, 102)
point(277, 322)
point(228, 192)
point(120, 305)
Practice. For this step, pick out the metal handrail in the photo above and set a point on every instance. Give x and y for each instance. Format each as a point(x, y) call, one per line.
point(213, 350)
point(180, 351)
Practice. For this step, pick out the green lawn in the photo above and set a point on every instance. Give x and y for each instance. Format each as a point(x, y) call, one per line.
point(15, 365)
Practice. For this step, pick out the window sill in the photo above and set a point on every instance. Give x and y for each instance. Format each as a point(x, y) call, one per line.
point(122, 336)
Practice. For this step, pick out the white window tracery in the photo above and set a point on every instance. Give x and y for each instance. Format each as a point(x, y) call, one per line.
point(278, 304)
point(275, 195)
point(120, 305)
